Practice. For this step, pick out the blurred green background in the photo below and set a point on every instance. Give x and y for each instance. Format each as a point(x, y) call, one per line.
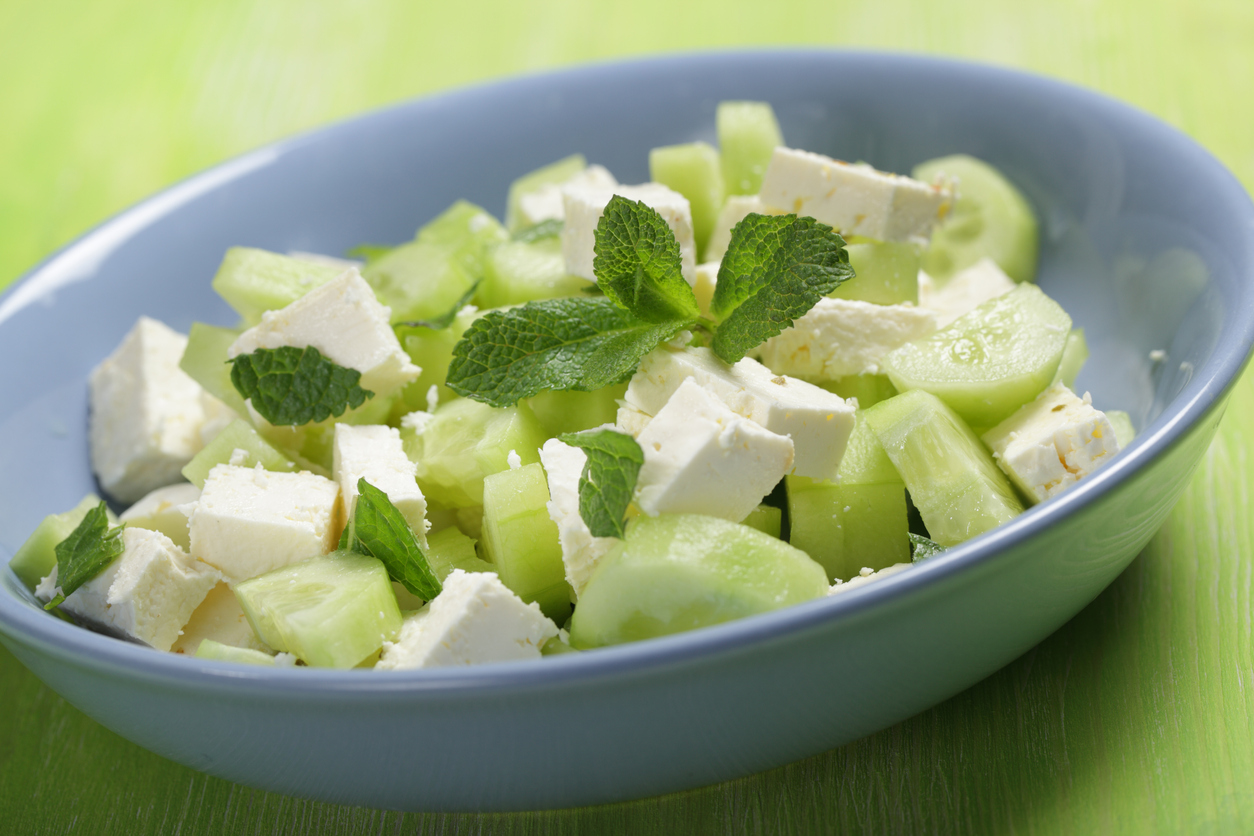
point(1134, 718)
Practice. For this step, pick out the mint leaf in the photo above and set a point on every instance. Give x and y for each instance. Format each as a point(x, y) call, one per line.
point(637, 263)
point(445, 319)
point(572, 343)
point(922, 548)
point(380, 531)
point(550, 228)
point(91, 546)
point(775, 269)
point(608, 481)
point(292, 386)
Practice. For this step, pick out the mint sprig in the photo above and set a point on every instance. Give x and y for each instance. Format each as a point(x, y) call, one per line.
point(91, 546)
point(380, 531)
point(922, 548)
point(608, 481)
point(776, 268)
point(291, 386)
point(637, 263)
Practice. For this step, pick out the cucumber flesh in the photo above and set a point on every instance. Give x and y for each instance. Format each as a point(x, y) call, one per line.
point(868, 389)
point(34, 559)
point(1121, 422)
point(254, 281)
point(204, 361)
point(765, 518)
point(517, 271)
point(568, 411)
point(431, 349)
point(747, 136)
point(952, 478)
point(885, 273)
point(1074, 353)
point(991, 361)
point(695, 171)
point(450, 549)
point(679, 572)
point(209, 649)
point(237, 435)
point(553, 174)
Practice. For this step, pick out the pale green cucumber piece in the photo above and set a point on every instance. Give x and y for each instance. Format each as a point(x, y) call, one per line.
point(553, 174)
point(959, 491)
point(254, 281)
point(679, 572)
point(991, 218)
point(34, 559)
point(204, 361)
point(695, 171)
point(520, 539)
point(747, 136)
point(314, 450)
point(556, 647)
point(1074, 353)
point(237, 435)
point(516, 272)
point(463, 442)
point(330, 611)
point(209, 649)
point(869, 389)
point(569, 412)
point(1121, 423)
point(885, 273)
point(450, 549)
point(431, 349)
point(991, 361)
point(765, 518)
point(428, 277)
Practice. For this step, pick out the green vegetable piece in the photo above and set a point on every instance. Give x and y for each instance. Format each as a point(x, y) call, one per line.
point(292, 386)
point(695, 171)
point(1074, 353)
point(379, 530)
point(570, 412)
point(608, 481)
point(869, 389)
point(449, 549)
point(553, 174)
point(34, 559)
point(1119, 420)
point(581, 344)
point(91, 546)
point(765, 518)
point(518, 272)
point(543, 231)
point(447, 318)
point(210, 649)
point(775, 268)
point(921, 548)
point(255, 281)
point(204, 361)
point(237, 435)
point(887, 271)
point(556, 647)
point(638, 265)
point(431, 350)
point(747, 136)
point(369, 253)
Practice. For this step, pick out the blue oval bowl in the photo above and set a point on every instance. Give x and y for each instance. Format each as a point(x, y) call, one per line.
point(1145, 239)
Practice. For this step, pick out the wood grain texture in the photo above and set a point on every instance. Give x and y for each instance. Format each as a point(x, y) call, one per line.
point(1133, 718)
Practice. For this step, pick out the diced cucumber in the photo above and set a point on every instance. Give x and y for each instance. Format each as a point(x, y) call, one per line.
point(431, 349)
point(553, 174)
point(556, 647)
point(990, 218)
point(695, 171)
point(161, 510)
point(520, 539)
point(568, 411)
point(221, 619)
point(254, 281)
point(450, 549)
point(952, 478)
point(463, 442)
point(868, 389)
point(330, 611)
point(209, 649)
point(885, 273)
point(991, 361)
point(1074, 353)
point(237, 435)
point(34, 559)
point(747, 136)
point(1121, 422)
point(679, 572)
point(518, 272)
point(204, 361)
point(765, 518)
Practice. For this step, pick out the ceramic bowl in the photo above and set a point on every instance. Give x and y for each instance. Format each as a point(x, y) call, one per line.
point(1145, 239)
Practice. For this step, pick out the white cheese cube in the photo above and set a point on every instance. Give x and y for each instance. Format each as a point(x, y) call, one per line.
point(703, 287)
point(545, 203)
point(221, 619)
point(817, 421)
point(146, 413)
point(733, 212)
point(162, 510)
point(702, 458)
point(347, 324)
point(148, 593)
point(584, 207)
point(631, 420)
point(375, 453)
point(250, 520)
point(964, 292)
point(563, 465)
point(1051, 443)
point(841, 337)
point(854, 199)
point(475, 619)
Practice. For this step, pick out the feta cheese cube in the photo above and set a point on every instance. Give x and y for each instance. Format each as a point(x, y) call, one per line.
point(703, 287)
point(219, 618)
point(733, 212)
point(584, 207)
point(854, 199)
point(347, 324)
point(1051, 443)
point(545, 202)
point(817, 421)
point(148, 593)
point(250, 520)
point(475, 619)
point(841, 337)
point(162, 510)
point(375, 453)
point(702, 458)
point(964, 292)
point(563, 465)
point(146, 413)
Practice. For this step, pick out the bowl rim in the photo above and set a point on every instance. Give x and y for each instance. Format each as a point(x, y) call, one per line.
point(67, 643)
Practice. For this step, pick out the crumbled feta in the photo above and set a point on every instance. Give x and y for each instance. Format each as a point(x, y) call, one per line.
point(584, 207)
point(866, 576)
point(164, 510)
point(563, 465)
point(375, 453)
point(964, 292)
point(545, 202)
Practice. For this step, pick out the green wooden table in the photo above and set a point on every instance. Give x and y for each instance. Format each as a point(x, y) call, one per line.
point(1135, 717)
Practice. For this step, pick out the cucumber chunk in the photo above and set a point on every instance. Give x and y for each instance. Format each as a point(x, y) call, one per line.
point(568, 411)
point(516, 272)
point(431, 349)
point(990, 362)
point(204, 361)
point(330, 611)
point(520, 539)
point(209, 649)
point(679, 572)
point(450, 549)
point(885, 273)
point(254, 281)
point(553, 174)
point(1121, 422)
point(1074, 353)
point(747, 136)
point(237, 435)
point(765, 518)
point(952, 478)
point(694, 170)
point(868, 389)
point(990, 218)
point(34, 559)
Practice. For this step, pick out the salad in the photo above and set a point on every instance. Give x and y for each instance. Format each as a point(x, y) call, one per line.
point(763, 377)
